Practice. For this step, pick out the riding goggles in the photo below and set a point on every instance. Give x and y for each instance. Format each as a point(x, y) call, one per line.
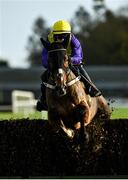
point(60, 36)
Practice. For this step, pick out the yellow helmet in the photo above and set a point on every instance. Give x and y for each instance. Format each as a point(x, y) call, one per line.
point(61, 26)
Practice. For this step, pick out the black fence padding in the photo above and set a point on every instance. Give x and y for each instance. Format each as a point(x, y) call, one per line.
point(28, 148)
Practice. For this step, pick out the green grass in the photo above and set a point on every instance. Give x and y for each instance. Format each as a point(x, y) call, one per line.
point(12, 116)
point(117, 113)
point(120, 113)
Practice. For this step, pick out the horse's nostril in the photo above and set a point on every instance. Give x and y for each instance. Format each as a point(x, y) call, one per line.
point(60, 75)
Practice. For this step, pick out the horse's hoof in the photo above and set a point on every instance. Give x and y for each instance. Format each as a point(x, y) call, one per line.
point(70, 133)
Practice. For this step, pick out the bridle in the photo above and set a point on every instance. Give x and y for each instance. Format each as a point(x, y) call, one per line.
point(60, 71)
point(70, 83)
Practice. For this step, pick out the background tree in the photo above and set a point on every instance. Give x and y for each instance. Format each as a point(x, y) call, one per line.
point(123, 11)
point(99, 9)
point(108, 41)
point(3, 63)
point(34, 46)
point(81, 22)
point(81, 26)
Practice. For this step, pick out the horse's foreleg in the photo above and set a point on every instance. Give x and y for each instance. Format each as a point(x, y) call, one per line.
point(69, 132)
point(54, 119)
point(82, 113)
point(57, 124)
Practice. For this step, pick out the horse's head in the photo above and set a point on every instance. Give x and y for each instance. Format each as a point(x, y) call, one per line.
point(58, 65)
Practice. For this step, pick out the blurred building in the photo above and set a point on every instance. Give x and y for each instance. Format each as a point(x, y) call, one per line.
point(18, 79)
point(112, 81)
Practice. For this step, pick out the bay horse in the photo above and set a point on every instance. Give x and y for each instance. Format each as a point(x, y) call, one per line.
point(69, 107)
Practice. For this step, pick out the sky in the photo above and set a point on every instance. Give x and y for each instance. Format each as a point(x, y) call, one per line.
point(17, 18)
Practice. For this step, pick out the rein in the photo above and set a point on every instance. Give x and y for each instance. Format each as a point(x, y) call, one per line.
point(67, 84)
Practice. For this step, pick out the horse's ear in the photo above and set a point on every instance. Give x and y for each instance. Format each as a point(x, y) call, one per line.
point(45, 43)
point(65, 42)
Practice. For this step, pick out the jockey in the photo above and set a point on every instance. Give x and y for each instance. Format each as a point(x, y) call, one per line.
point(61, 31)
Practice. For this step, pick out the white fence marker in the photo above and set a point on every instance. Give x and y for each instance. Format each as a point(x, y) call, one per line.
point(23, 101)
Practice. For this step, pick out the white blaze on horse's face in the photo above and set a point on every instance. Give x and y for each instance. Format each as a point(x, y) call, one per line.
point(60, 71)
point(61, 75)
point(60, 83)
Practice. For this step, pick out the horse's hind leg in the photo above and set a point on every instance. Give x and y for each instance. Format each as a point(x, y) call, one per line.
point(104, 107)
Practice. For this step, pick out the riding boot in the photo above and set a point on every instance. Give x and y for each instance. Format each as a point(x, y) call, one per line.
point(41, 103)
point(90, 87)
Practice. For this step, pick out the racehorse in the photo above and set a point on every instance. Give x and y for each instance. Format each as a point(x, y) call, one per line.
point(69, 107)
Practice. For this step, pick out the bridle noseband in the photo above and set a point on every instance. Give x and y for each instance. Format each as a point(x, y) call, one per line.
point(68, 84)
